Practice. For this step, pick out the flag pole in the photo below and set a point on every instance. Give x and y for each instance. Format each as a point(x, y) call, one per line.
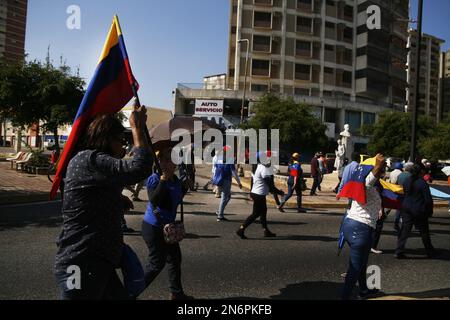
point(138, 105)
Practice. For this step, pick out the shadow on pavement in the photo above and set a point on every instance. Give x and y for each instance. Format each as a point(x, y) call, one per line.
point(320, 290)
point(431, 294)
point(193, 236)
point(420, 254)
point(300, 238)
point(45, 216)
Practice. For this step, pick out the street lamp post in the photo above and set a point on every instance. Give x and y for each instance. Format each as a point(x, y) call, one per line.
point(245, 78)
point(416, 105)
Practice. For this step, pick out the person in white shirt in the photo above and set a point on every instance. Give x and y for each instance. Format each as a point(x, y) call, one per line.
point(358, 229)
point(262, 185)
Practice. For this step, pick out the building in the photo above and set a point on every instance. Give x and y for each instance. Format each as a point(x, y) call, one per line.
point(444, 77)
point(321, 52)
point(215, 82)
point(13, 19)
point(429, 74)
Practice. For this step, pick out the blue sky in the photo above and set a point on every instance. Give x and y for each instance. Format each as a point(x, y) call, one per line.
point(168, 41)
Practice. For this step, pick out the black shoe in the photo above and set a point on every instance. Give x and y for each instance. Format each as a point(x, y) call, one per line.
point(368, 294)
point(399, 256)
point(269, 234)
point(433, 254)
point(301, 211)
point(136, 199)
point(241, 234)
point(180, 296)
point(313, 194)
point(223, 219)
point(125, 229)
point(280, 208)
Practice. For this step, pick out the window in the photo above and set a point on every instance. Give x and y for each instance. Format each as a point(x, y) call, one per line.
point(301, 92)
point(303, 48)
point(259, 88)
point(330, 115)
point(302, 72)
point(330, 3)
point(353, 118)
point(347, 77)
point(328, 70)
point(369, 118)
point(261, 68)
point(261, 43)
point(262, 19)
point(304, 25)
point(348, 12)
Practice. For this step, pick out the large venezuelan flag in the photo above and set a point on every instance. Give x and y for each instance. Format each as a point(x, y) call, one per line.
point(355, 188)
point(109, 91)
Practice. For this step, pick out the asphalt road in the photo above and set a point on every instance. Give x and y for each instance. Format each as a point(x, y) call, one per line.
point(301, 263)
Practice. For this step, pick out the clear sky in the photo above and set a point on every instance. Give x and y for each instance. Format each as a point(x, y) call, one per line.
point(168, 41)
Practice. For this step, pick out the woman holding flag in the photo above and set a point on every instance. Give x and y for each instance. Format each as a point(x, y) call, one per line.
point(91, 239)
point(360, 223)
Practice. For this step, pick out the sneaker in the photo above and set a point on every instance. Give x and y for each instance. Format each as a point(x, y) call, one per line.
point(375, 251)
point(221, 219)
point(180, 296)
point(269, 234)
point(218, 196)
point(368, 294)
point(241, 234)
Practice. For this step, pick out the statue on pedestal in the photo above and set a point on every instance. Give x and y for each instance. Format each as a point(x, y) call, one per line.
point(346, 138)
point(340, 156)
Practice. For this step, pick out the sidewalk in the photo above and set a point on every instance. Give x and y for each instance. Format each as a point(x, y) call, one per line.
point(325, 198)
point(17, 187)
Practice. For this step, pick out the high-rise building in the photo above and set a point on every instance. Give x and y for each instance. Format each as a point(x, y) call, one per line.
point(13, 19)
point(429, 74)
point(320, 48)
point(444, 76)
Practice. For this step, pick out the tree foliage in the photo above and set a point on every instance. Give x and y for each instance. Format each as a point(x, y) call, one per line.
point(32, 92)
point(299, 129)
point(391, 135)
point(437, 144)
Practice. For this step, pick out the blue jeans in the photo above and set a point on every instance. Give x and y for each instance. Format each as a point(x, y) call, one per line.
point(290, 193)
point(359, 237)
point(226, 196)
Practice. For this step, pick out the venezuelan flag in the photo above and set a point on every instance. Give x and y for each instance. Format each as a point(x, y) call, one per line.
point(110, 89)
point(355, 188)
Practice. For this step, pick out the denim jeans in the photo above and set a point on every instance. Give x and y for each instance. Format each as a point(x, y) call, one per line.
point(98, 281)
point(291, 190)
point(315, 185)
point(359, 237)
point(226, 196)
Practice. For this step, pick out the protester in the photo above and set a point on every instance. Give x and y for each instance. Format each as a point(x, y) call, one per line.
point(223, 174)
point(262, 185)
point(295, 182)
point(322, 169)
point(358, 228)
point(213, 169)
point(93, 206)
point(315, 174)
point(165, 193)
point(417, 209)
point(348, 171)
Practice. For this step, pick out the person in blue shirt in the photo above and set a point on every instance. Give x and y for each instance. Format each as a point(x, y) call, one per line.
point(165, 193)
point(295, 182)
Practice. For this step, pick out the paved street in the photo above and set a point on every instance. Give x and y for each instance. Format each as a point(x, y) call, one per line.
point(301, 263)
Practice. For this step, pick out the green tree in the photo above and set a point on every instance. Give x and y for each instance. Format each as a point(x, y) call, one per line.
point(31, 92)
point(437, 144)
point(391, 135)
point(299, 129)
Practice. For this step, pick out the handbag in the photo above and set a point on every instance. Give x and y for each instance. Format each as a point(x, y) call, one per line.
point(173, 232)
point(132, 271)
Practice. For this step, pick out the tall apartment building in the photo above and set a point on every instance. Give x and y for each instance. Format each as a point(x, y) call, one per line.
point(429, 74)
point(320, 48)
point(444, 76)
point(13, 18)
